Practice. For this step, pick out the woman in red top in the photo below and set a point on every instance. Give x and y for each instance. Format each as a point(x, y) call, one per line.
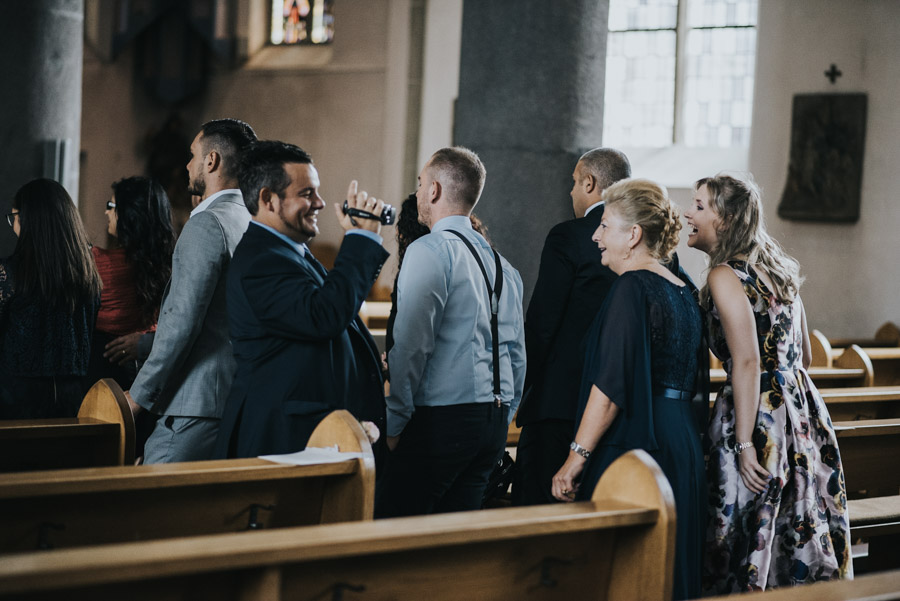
point(134, 270)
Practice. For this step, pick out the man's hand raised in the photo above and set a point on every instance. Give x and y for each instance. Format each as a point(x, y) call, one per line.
point(362, 201)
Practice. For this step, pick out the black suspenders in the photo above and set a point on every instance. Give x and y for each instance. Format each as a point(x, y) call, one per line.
point(494, 296)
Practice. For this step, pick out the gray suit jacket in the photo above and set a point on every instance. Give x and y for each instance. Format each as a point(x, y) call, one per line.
point(191, 366)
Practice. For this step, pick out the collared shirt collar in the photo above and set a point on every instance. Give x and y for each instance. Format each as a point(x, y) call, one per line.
point(300, 247)
point(592, 207)
point(209, 200)
point(453, 222)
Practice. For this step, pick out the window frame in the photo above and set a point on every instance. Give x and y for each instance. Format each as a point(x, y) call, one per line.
point(677, 165)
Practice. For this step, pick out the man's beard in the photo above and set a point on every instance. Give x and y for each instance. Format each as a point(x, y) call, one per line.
point(197, 187)
point(298, 228)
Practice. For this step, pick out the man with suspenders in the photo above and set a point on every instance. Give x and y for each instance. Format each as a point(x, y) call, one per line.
point(458, 361)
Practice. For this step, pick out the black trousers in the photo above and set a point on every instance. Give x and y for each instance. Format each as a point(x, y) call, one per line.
point(543, 448)
point(443, 460)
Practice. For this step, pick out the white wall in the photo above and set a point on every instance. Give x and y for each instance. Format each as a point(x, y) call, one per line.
point(852, 270)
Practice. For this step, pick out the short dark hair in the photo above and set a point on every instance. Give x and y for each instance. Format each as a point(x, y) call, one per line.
point(228, 137)
point(463, 173)
point(262, 166)
point(607, 165)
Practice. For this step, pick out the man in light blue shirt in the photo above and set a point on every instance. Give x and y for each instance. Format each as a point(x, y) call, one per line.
point(446, 426)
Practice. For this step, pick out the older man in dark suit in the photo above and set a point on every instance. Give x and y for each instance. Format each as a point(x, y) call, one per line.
point(300, 348)
point(571, 286)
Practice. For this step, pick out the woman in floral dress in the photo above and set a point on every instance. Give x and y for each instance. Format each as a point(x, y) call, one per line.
point(778, 501)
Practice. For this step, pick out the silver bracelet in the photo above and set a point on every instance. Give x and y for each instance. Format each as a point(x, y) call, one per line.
point(742, 446)
point(580, 449)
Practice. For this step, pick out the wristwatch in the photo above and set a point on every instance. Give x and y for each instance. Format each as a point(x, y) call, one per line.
point(580, 449)
point(742, 446)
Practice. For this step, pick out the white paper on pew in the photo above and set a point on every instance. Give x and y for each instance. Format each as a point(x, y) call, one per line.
point(313, 456)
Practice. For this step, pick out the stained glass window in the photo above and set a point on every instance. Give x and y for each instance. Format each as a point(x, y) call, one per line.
point(302, 22)
point(679, 73)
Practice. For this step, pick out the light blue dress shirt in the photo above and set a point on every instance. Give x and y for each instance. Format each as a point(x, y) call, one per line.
point(442, 333)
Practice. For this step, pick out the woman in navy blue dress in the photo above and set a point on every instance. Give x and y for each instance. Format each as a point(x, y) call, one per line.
point(641, 368)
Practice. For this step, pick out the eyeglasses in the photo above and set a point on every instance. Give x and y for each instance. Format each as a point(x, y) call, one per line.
point(11, 218)
point(110, 205)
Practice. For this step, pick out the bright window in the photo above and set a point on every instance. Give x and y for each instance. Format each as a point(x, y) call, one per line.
point(679, 72)
point(302, 22)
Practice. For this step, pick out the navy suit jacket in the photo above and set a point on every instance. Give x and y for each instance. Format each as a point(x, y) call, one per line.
point(300, 348)
point(571, 287)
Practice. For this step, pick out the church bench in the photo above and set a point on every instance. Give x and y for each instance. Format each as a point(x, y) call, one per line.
point(887, 335)
point(885, 360)
point(852, 369)
point(869, 454)
point(854, 403)
point(78, 507)
point(884, 586)
point(619, 545)
point(101, 435)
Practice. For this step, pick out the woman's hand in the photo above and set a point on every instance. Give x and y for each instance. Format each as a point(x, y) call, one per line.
point(563, 487)
point(755, 477)
point(123, 349)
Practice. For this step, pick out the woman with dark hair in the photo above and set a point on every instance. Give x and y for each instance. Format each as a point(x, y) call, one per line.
point(49, 293)
point(134, 273)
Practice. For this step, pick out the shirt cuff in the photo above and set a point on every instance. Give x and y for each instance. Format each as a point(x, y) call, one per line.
point(370, 235)
point(395, 423)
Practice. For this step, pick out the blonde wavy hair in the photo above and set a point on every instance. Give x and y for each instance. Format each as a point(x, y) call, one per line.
point(646, 203)
point(742, 232)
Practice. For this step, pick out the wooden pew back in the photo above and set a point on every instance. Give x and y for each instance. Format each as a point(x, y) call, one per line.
point(620, 545)
point(101, 435)
point(78, 507)
point(869, 451)
point(873, 587)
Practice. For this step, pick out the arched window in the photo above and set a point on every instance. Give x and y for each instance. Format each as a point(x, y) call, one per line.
point(302, 22)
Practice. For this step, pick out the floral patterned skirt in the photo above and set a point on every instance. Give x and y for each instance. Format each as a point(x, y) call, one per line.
point(797, 530)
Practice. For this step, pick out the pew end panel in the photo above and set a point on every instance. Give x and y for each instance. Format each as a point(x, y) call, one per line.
point(821, 350)
point(351, 497)
point(646, 562)
point(855, 358)
point(546, 552)
point(106, 402)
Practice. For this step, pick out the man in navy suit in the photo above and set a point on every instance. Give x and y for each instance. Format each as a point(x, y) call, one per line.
point(571, 286)
point(300, 348)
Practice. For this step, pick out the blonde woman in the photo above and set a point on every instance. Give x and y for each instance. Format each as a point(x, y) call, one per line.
point(778, 503)
point(640, 368)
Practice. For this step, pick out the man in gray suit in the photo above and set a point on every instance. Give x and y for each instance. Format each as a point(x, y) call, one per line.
point(188, 374)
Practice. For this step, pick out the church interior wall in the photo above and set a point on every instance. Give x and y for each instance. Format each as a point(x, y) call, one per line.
point(350, 114)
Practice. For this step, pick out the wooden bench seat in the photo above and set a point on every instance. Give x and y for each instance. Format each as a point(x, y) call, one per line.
point(884, 586)
point(885, 360)
point(619, 545)
point(78, 507)
point(101, 435)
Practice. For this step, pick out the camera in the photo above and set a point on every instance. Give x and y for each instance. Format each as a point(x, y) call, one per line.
point(388, 214)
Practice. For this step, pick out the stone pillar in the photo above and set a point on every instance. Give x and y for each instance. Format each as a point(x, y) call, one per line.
point(530, 103)
point(40, 73)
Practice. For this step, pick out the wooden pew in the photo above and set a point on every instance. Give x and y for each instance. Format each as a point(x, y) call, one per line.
point(887, 335)
point(101, 435)
point(869, 453)
point(619, 545)
point(853, 368)
point(885, 360)
point(884, 586)
point(78, 507)
point(855, 403)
